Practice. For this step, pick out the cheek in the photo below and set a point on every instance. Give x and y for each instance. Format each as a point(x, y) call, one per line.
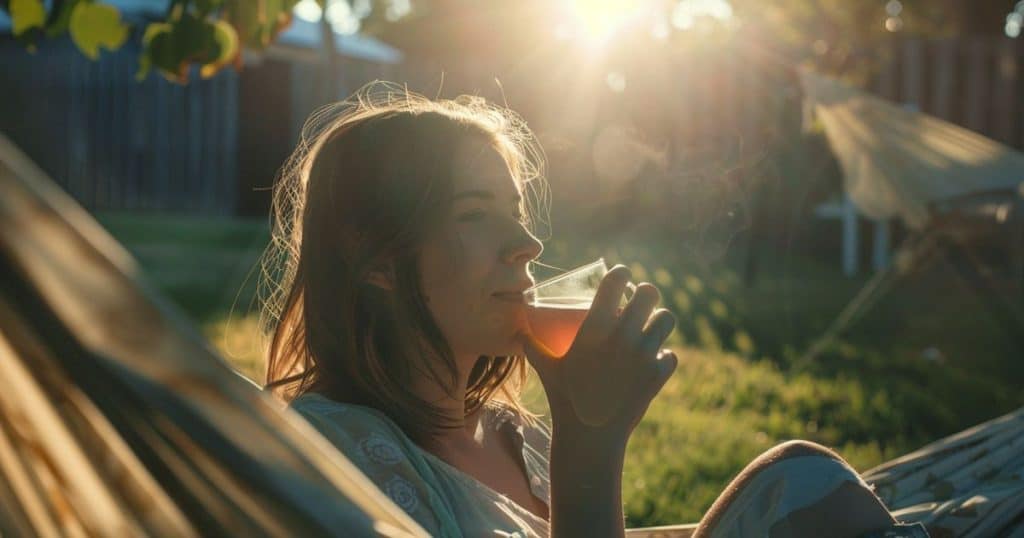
point(463, 260)
point(458, 269)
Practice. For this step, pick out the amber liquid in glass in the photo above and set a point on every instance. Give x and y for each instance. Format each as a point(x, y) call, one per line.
point(556, 320)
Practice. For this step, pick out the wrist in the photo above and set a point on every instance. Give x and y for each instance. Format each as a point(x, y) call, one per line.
point(579, 437)
point(586, 481)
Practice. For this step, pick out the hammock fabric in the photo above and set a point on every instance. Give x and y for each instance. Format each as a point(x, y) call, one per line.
point(898, 163)
point(968, 484)
point(118, 419)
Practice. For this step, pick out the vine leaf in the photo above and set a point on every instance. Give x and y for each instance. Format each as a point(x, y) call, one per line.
point(172, 47)
point(27, 14)
point(96, 25)
point(227, 41)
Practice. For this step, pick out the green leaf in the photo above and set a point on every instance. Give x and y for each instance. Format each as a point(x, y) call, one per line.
point(258, 23)
point(145, 60)
point(172, 47)
point(227, 43)
point(205, 7)
point(27, 14)
point(246, 17)
point(97, 25)
point(63, 19)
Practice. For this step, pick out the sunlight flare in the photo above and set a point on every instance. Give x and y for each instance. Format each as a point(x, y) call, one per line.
point(597, 21)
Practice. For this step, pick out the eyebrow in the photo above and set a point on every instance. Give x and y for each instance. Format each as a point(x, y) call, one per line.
point(487, 195)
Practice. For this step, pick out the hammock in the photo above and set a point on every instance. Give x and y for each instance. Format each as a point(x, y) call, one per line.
point(968, 484)
point(118, 419)
point(898, 163)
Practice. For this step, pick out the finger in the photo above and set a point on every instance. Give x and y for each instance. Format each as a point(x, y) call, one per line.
point(659, 327)
point(666, 365)
point(658, 372)
point(638, 310)
point(605, 307)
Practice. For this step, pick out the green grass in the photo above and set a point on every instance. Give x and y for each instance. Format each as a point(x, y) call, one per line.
point(737, 391)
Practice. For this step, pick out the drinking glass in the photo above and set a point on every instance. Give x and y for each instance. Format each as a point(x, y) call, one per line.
point(556, 307)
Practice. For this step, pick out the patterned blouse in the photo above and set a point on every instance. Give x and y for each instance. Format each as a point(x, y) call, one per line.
point(442, 499)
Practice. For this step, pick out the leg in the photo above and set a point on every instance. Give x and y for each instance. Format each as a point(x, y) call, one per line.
point(849, 510)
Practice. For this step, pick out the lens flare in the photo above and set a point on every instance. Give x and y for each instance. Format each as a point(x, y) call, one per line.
point(598, 21)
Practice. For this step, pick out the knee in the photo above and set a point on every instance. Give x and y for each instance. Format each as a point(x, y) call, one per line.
point(848, 510)
point(832, 465)
point(797, 448)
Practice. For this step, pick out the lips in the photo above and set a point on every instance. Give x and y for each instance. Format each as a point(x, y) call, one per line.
point(513, 293)
point(510, 296)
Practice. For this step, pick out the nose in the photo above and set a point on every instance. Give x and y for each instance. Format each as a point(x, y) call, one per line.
point(524, 248)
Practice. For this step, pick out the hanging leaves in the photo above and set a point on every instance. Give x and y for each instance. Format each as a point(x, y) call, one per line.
point(227, 42)
point(62, 18)
point(27, 14)
point(96, 25)
point(172, 47)
point(210, 33)
point(259, 23)
point(27, 20)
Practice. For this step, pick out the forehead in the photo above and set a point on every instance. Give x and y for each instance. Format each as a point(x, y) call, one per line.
point(479, 165)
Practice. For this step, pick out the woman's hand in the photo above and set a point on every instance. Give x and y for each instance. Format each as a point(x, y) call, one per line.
point(615, 366)
point(598, 392)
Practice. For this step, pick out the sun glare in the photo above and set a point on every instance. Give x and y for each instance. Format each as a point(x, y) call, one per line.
point(687, 12)
point(598, 20)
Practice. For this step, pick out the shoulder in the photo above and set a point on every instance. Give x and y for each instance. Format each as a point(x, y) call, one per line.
point(320, 408)
point(362, 433)
point(379, 448)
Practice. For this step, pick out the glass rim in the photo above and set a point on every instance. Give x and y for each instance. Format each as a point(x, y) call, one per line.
point(557, 278)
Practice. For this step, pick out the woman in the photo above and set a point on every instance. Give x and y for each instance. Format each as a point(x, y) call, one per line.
point(398, 331)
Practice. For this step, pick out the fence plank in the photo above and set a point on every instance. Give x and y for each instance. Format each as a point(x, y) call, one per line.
point(887, 85)
point(942, 86)
point(912, 66)
point(179, 145)
point(195, 198)
point(136, 134)
point(161, 145)
point(977, 85)
point(1004, 92)
point(230, 136)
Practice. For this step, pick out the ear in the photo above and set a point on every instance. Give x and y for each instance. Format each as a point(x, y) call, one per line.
point(382, 277)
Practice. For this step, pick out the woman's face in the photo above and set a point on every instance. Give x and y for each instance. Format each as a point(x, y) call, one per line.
point(475, 265)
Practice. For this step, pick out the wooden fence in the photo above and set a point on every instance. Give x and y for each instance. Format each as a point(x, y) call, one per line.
point(973, 82)
point(115, 143)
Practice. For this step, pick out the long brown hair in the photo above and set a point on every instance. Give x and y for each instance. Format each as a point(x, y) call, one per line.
point(371, 176)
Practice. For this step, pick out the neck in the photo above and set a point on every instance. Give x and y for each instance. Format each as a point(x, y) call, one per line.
point(453, 405)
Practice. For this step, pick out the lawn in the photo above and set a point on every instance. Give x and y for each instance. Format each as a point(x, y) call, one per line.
point(876, 393)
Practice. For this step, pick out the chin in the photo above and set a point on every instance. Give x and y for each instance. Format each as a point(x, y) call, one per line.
point(512, 346)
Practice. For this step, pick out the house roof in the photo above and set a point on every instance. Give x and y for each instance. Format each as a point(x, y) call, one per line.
point(305, 34)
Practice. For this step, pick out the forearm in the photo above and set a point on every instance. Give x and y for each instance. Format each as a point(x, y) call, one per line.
point(586, 483)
